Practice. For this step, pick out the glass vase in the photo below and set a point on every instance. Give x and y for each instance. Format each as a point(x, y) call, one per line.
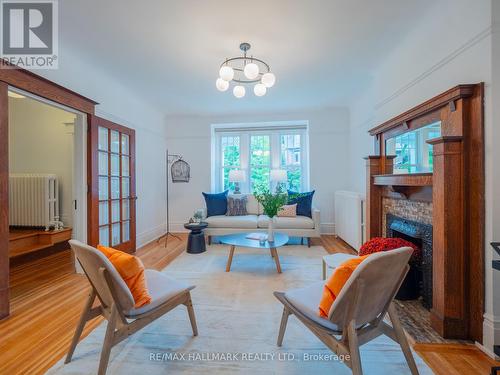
point(270, 230)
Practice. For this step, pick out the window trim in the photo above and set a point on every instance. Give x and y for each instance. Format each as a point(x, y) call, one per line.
point(245, 130)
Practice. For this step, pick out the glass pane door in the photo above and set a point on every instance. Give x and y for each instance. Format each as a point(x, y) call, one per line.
point(112, 207)
point(114, 183)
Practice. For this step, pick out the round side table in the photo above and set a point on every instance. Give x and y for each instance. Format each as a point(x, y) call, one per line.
point(196, 238)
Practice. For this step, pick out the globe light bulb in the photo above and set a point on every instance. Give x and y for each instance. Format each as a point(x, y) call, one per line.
point(268, 79)
point(221, 84)
point(251, 70)
point(239, 91)
point(226, 73)
point(259, 89)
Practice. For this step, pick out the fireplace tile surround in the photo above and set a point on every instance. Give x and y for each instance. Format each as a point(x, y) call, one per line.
point(407, 209)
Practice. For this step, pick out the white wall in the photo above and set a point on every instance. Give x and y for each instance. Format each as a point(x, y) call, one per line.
point(492, 321)
point(41, 141)
point(452, 45)
point(190, 136)
point(120, 104)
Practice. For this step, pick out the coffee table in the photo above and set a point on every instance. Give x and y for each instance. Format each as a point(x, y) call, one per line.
point(241, 240)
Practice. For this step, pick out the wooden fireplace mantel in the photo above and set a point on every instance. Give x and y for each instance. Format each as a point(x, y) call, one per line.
point(416, 179)
point(456, 190)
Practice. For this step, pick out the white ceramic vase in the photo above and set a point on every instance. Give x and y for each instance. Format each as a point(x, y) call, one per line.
point(270, 230)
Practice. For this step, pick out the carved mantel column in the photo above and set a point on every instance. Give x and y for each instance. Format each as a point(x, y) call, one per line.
point(375, 165)
point(449, 313)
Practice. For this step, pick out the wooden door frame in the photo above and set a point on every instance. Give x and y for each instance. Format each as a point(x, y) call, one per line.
point(34, 84)
point(93, 179)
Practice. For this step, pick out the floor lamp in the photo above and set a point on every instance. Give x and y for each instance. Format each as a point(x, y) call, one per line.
point(180, 172)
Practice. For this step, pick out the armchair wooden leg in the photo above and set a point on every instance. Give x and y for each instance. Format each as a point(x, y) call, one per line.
point(352, 338)
point(284, 321)
point(403, 342)
point(81, 325)
point(308, 241)
point(192, 318)
point(108, 341)
point(209, 238)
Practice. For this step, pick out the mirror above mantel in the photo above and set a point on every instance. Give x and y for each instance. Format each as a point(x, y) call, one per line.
point(413, 153)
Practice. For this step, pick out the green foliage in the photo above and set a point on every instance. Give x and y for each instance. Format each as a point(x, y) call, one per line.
point(294, 179)
point(271, 202)
point(231, 155)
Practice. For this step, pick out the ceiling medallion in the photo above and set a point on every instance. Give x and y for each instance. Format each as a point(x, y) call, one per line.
point(243, 71)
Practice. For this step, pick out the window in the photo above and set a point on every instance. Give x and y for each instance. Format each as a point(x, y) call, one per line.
point(230, 156)
point(256, 151)
point(290, 159)
point(260, 161)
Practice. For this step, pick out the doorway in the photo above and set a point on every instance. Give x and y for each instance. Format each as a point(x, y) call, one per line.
point(47, 169)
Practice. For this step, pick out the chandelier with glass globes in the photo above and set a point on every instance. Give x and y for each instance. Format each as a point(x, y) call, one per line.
point(244, 71)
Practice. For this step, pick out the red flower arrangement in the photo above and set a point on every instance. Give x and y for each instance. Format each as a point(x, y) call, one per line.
point(384, 244)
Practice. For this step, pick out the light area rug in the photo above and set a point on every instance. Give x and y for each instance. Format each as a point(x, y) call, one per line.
point(238, 321)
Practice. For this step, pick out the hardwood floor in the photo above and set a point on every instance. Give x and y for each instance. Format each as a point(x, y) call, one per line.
point(47, 298)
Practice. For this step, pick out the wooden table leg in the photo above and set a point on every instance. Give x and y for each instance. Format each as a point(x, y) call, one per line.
point(272, 252)
point(276, 259)
point(230, 259)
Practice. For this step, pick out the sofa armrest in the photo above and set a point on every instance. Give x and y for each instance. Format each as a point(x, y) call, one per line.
point(316, 218)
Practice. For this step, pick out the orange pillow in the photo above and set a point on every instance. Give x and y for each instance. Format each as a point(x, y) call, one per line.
point(131, 270)
point(336, 282)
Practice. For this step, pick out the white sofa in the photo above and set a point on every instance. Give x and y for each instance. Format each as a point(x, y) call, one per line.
point(256, 221)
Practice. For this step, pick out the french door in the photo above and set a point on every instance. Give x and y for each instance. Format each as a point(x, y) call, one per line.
point(112, 185)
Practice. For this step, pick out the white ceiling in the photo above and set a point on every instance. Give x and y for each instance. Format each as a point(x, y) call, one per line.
point(323, 52)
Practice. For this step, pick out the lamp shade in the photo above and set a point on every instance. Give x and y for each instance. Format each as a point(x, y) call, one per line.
point(268, 79)
point(239, 91)
point(226, 73)
point(237, 175)
point(278, 175)
point(221, 84)
point(251, 71)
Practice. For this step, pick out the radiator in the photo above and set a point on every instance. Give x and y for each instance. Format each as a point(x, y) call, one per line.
point(34, 200)
point(349, 218)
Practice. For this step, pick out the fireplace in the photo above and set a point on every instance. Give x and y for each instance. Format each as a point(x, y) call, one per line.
point(421, 235)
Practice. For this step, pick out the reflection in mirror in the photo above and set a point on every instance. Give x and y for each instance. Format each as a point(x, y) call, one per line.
point(413, 153)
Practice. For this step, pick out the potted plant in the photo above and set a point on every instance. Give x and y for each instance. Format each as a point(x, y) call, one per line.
point(272, 203)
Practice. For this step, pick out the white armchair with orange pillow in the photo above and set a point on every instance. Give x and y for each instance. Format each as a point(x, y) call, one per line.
point(130, 296)
point(356, 314)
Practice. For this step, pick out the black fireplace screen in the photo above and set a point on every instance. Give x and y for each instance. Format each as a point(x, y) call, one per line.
point(421, 235)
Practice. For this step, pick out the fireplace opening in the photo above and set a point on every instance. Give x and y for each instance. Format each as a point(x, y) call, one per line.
point(419, 280)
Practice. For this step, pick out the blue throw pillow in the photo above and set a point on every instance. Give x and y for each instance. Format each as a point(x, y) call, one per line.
point(216, 203)
point(304, 202)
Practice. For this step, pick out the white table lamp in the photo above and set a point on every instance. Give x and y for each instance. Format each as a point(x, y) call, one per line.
point(279, 176)
point(237, 176)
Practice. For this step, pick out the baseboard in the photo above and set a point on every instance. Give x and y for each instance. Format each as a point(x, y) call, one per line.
point(327, 228)
point(493, 355)
point(178, 228)
point(491, 335)
point(150, 235)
